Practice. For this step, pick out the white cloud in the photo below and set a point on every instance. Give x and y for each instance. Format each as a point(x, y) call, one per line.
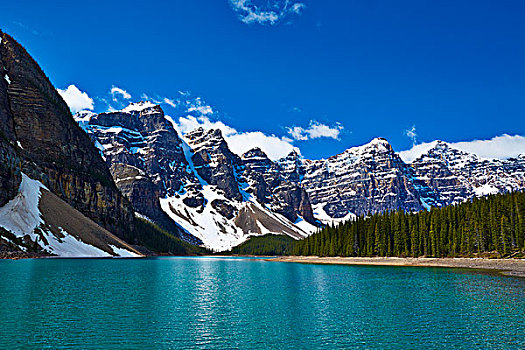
point(203, 110)
point(76, 99)
point(115, 91)
point(315, 130)
point(272, 13)
point(189, 123)
point(239, 142)
point(275, 147)
point(411, 134)
point(417, 150)
point(298, 7)
point(169, 102)
point(499, 147)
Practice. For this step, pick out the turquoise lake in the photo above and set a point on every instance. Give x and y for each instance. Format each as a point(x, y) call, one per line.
point(213, 303)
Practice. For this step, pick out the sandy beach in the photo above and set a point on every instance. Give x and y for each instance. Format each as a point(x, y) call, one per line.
point(508, 267)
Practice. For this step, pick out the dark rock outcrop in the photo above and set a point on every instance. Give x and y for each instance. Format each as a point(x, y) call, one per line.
point(271, 186)
point(214, 161)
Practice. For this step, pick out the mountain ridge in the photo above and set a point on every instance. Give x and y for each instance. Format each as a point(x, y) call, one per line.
point(215, 182)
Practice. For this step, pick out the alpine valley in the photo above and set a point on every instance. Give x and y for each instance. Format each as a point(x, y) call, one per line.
point(128, 183)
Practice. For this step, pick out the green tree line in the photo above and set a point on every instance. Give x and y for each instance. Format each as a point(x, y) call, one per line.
point(156, 239)
point(265, 245)
point(489, 224)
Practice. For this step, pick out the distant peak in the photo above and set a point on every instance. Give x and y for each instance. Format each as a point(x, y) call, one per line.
point(83, 117)
point(379, 142)
point(443, 150)
point(441, 144)
point(138, 106)
point(83, 114)
point(255, 152)
point(201, 134)
point(293, 154)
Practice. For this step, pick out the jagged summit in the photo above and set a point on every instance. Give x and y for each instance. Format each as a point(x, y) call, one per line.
point(442, 152)
point(456, 175)
point(255, 152)
point(378, 143)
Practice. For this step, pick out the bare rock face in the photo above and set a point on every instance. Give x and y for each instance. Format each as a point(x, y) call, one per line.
point(9, 172)
point(146, 158)
point(141, 136)
point(10, 162)
point(53, 147)
point(271, 186)
point(224, 208)
point(214, 161)
point(137, 187)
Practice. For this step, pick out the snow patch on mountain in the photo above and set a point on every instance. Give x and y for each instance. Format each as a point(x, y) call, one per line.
point(321, 215)
point(71, 247)
point(22, 217)
point(485, 190)
point(138, 107)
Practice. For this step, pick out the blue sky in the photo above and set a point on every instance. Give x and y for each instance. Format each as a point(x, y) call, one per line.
point(345, 71)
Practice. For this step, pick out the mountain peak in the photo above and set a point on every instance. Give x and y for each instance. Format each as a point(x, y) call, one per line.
point(255, 152)
point(378, 143)
point(443, 150)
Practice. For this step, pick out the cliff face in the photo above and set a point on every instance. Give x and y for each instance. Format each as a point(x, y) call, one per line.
point(268, 185)
point(52, 147)
point(10, 176)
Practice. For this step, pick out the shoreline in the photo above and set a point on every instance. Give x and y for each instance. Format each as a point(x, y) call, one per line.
point(506, 267)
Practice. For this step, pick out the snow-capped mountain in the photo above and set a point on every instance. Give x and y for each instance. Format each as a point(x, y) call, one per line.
point(216, 197)
point(365, 179)
point(456, 176)
point(213, 196)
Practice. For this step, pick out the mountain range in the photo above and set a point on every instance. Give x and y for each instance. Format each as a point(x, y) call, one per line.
point(222, 198)
point(81, 185)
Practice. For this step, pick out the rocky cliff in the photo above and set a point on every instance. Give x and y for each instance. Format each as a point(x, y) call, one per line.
point(39, 130)
point(10, 164)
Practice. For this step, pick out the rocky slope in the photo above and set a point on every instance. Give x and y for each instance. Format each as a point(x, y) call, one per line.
point(216, 197)
point(36, 221)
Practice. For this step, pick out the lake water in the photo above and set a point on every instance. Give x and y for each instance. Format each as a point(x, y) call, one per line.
point(211, 303)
